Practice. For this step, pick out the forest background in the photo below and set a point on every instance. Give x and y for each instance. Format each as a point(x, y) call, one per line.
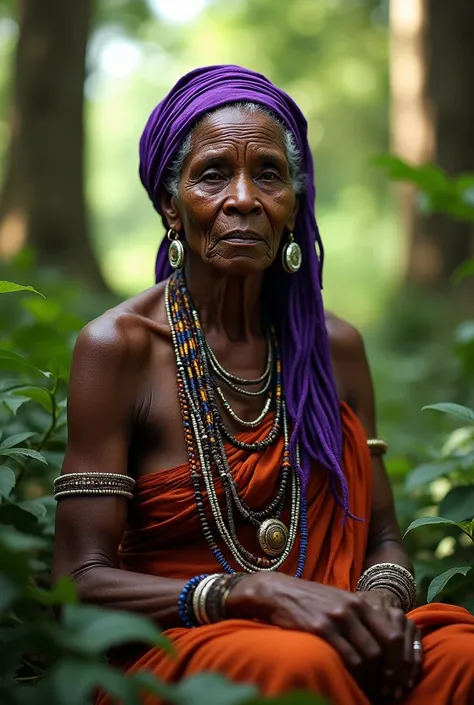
point(77, 83)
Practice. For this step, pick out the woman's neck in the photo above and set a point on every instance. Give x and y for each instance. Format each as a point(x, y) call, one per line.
point(227, 305)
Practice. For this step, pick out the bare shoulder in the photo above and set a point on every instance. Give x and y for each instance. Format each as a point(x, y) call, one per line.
point(122, 334)
point(345, 340)
point(351, 369)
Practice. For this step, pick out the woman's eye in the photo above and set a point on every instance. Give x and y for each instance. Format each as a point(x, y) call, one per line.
point(212, 176)
point(269, 176)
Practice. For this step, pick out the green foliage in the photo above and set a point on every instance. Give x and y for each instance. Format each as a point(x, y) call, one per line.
point(9, 287)
point(445, 484)
point(43, 659)
point(440, 193)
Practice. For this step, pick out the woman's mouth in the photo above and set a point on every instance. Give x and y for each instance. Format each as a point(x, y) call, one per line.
point(242, 237)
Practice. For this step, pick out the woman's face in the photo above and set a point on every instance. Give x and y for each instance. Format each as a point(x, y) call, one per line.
point(235, 196)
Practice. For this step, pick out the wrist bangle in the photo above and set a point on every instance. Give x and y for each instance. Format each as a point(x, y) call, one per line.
point(218, 595)
point(200, 598)
point(393, 577)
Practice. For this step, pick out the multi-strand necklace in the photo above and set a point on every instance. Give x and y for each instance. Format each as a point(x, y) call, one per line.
point(205, 431)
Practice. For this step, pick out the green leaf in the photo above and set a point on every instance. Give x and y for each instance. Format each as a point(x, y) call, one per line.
point(429, 521)
point(212, 689)
point(8, 593)
point(458, 504)
point(10, 360)
point(7, 481)
point(33, 506)
point(460, 412)
point(73, 682)
point(94, 630)
point(426, 473)
point(428, 177)
point(63, 592)
point(39, 395)
point(22, 518)
point(440, 582)
point(13, 403)
point(18, 542)
point(9, 287)
point(23, 453)
point(15, 440)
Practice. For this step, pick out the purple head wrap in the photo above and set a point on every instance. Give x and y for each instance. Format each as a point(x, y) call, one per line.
point(295, 300)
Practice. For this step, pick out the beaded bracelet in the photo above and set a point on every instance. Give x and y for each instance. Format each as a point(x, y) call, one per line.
point(185, 611)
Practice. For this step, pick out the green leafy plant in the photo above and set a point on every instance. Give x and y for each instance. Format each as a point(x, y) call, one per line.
point(456, 508)
point(453, 466)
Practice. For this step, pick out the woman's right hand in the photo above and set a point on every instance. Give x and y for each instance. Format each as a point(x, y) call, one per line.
point(362, 635)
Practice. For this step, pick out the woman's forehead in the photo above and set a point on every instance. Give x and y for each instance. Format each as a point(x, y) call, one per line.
point(232, 124)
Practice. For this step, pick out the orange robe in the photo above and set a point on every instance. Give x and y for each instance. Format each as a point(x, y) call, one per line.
point(164, 538)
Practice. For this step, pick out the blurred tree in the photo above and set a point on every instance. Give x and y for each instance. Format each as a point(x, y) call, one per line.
point(42, 201)
point(433, 121)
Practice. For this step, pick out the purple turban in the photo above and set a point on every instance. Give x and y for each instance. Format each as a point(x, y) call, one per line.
point(295, 301)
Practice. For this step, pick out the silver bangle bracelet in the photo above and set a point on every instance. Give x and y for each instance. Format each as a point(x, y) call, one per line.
point(392, 577)
point(199, 598)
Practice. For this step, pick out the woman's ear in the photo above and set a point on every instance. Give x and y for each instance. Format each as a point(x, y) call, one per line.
point(292, 220)
point(169, 208)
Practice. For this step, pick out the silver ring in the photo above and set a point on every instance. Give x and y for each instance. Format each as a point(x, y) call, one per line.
point(417, 645)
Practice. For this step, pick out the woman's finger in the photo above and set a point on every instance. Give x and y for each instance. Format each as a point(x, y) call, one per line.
point(350, 657)
point(365, 644)
point(391, 633)
point(407, 667)
point(417, 661)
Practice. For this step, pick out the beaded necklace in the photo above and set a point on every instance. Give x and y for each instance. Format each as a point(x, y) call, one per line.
point(204, 431)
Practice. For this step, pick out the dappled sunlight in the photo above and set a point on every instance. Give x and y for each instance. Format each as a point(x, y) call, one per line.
point(13, 233)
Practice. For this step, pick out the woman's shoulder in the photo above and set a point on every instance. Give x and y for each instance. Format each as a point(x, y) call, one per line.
point(124, 331)
point(344, 338)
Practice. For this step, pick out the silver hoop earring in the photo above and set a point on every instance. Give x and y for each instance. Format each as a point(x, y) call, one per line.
point(175, 250)
point(291, 256)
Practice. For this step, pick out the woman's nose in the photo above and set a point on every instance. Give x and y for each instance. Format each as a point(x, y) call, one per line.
point(242, 196)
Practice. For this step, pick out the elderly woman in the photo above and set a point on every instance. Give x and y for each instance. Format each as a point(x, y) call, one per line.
point(222, 473)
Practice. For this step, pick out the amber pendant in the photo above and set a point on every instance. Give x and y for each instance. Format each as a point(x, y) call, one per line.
point(272, 536)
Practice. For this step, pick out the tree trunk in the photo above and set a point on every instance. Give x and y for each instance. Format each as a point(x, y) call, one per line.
point(42, 201)
point(433, 121)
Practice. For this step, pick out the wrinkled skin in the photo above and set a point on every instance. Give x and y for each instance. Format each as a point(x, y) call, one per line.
point(235, 196)
point(235, 204)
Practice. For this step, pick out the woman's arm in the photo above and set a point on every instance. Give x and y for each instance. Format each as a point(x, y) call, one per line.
point(110, 358)
point(353, 372)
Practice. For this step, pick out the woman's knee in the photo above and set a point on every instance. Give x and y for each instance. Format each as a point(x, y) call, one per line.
point(296, 659)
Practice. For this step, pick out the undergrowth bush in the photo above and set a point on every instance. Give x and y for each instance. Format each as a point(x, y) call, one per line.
point(434, 472)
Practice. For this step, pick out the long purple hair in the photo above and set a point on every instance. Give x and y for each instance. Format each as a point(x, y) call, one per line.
point(295, 300)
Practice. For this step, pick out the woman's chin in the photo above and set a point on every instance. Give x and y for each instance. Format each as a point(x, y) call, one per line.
point(241, 265)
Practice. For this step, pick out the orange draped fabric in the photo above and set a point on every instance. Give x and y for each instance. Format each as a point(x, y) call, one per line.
point(164, 538)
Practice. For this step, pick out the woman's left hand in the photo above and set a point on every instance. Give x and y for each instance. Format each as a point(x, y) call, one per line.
point(401, 667)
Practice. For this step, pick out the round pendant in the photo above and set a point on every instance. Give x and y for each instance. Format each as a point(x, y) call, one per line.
point(272, 536)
